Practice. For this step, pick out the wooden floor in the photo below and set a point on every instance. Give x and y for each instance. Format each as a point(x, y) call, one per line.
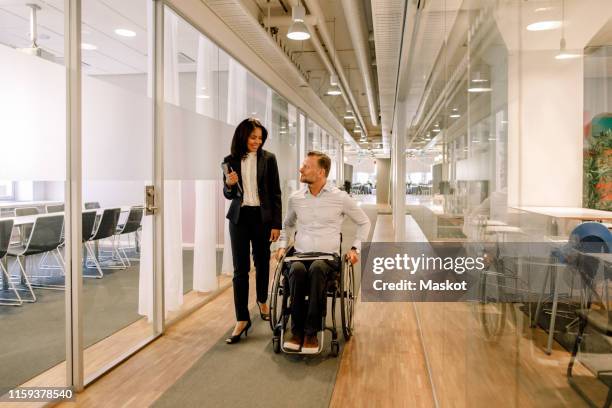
point(403, 355)
point(384, 364)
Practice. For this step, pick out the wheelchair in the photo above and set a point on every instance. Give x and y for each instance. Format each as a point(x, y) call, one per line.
point(342, 288)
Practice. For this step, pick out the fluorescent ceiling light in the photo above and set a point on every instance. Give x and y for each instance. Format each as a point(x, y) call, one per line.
point(349, 114)
point(436, 130)
point(298, 30)
point(540, 9)
point(479, 89)
point(88, 47)
point(202, 96)
point(544, 25)
point(124, 32)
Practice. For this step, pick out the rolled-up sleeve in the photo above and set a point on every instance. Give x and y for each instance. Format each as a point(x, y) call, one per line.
point(359, 217)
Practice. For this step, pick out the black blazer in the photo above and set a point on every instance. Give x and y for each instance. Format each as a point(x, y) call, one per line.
point(268, 188)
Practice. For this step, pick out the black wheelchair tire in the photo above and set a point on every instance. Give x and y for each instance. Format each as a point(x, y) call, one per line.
point(347, 298)
point(275, 306)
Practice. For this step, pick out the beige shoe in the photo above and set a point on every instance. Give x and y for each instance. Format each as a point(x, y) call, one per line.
point(294, 343)
point(311, 345)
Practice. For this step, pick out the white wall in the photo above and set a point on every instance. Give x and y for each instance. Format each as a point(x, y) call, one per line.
point(32, 116)
point(545, 136)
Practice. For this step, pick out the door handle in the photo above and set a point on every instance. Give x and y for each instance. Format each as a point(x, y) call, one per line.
point(150, 207)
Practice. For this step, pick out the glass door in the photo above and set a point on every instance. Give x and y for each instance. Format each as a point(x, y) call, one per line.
point(117, 163)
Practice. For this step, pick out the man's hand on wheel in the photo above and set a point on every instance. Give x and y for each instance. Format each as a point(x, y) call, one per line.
point(279, 253)
point(352, 256)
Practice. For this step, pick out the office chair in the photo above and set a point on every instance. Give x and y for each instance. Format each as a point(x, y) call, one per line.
point(106, 228)
point(54, 208)
point(6, 228)
point(132, 225)
point(45, 237)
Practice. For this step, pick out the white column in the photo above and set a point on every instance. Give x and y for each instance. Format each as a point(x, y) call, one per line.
point(398, 187)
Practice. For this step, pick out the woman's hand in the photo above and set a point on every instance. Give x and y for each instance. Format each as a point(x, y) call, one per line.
point(231, 179)
point(274, 234)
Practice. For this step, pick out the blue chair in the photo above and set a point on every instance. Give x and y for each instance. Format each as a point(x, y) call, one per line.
point(588, 237)
point(587, 240)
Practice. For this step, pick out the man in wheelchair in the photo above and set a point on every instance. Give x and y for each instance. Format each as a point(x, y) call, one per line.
point(316, 212)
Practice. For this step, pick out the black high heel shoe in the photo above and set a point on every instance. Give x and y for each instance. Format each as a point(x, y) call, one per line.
point(265, 317)
point(236, 338)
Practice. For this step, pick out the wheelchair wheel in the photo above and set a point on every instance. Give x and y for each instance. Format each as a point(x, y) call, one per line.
point(494, 308)
point(276, 298)
point(347, 298)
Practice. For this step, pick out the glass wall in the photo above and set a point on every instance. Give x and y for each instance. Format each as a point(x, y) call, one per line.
point(207, 93)
point(33, 173)
point(510, 143)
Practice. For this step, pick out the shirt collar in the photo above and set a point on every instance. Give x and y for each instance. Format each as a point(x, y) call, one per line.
point(326, 187)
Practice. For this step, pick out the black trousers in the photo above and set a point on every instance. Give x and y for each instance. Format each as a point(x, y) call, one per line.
point(309, 278)
point(249, 230)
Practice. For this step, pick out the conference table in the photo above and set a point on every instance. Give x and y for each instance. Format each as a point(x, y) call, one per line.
point(568, 213)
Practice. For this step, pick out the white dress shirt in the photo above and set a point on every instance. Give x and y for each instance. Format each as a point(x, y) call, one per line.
point(248, 168)
point(318, 220)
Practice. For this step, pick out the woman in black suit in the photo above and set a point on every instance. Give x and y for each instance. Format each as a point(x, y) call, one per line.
point(252, 183)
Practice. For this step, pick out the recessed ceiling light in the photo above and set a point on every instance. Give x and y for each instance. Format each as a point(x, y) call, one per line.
point(544, 25)
point(124, 32)
point(88, 47)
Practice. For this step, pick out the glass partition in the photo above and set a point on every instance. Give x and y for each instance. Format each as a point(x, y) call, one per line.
point(510, 142)
point(32, 180)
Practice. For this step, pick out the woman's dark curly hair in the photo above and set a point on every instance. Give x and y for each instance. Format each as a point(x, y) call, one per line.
point(241, 135)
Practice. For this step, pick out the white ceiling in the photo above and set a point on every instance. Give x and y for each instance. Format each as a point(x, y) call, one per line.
point(114, 54)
